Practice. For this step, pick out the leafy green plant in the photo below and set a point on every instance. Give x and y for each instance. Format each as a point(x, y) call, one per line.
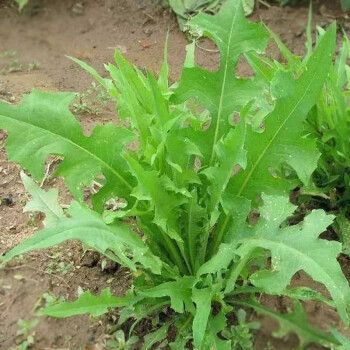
point(210, 152)
point(240, 335)
point(91, 101)
point(59, 267)
point(329, 122)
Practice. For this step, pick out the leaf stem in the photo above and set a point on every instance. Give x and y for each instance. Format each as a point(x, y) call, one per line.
point(217, 239)
point(203, 253)
point(230, 286)
point(221, 101)
point(174, 252)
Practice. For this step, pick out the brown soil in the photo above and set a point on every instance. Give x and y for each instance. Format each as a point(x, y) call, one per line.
point(90, 30)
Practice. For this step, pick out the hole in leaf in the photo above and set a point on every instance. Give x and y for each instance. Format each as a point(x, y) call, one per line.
point(235, 118)
point(116, 204)
point(96, 185)
point(243, 69)
point(197, 163)
point(236, 169)
point(206, 125)
point(262, 127)
point(133, 145)
point(205, 49)
point(253, 217)
point(199, 118)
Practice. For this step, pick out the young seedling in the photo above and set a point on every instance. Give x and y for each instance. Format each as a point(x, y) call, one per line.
point(91, 101)
point(240, 335)
point(26, 333)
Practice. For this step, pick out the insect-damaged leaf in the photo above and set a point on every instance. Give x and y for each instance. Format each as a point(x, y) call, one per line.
point(42, 125)
point(295, 248)
point(221, 92)
point(282, 141)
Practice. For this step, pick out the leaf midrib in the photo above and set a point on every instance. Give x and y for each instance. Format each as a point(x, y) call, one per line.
point(223, 88)
point(106, 165)
point(271, 313)
point(262, 154)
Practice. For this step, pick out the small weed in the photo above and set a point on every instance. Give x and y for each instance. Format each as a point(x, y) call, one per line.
point(26, 333)
point(81, 106)
point(8, 54)
point(240, 335)
point(57, 266)
point(33, 66)
point(15, 66)
point(56, 255)
point(91, 100)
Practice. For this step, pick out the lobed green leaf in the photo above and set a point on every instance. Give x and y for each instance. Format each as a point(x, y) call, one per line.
point(88, 303)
